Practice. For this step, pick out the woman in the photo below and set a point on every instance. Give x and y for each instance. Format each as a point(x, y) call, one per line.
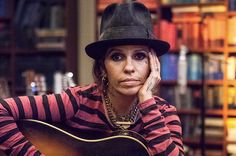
point(126, 72)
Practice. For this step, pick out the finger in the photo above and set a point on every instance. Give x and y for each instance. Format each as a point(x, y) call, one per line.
point(156, 66)
point(153, 65)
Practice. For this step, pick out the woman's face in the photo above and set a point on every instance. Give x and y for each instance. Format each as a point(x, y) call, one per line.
point(127, 68)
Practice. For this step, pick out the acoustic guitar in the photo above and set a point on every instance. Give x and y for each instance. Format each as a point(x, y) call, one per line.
point(55, 140)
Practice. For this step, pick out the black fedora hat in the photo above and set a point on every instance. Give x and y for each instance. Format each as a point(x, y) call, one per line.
point(126, 24)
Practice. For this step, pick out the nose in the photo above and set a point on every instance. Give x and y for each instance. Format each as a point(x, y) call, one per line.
point(129, 66)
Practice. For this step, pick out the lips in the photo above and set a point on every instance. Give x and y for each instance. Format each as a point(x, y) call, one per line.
point(130, 82)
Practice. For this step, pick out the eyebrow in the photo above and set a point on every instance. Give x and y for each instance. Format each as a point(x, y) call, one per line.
point(111, 49)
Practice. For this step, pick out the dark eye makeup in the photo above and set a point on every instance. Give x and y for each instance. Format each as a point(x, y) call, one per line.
point(117, 55)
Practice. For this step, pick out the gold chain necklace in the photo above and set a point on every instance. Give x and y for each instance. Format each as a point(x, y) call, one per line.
point(120, 121)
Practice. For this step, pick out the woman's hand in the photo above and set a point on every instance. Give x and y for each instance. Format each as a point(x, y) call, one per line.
point(146, 92)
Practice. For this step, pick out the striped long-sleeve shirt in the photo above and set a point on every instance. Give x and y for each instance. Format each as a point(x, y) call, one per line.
point(82, 108)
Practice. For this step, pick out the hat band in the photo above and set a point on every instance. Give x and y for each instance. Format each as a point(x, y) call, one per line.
point(126, 32)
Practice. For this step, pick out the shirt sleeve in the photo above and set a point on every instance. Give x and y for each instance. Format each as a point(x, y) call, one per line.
point(50, 108)
point(162, 127)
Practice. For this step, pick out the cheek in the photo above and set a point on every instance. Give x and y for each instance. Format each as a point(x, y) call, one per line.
point(112, 71)
point(144, 69)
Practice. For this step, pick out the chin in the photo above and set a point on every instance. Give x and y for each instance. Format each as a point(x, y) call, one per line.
point(129, 91)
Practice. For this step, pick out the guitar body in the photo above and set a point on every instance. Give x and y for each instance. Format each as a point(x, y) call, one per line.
point(54, 141)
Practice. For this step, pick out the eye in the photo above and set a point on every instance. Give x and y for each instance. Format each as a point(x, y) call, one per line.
point(140, 56)
point(116, 56)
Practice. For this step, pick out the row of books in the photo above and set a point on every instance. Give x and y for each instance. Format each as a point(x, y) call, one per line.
point(232, 5)
point(192, 30)
point(50, 39)
point(51, 64)
point(214, 130)
point(213, 67)
point(193, 97)
point(151, 4)
point(36, 83)
point(190, 100)
point(214, 97)
point(4, 11)
point(189, 1)
point(231, 68)
point(169, 66)
point(32, 15)
point(190, 126)
point(4, 64)
point(209, 152)
point(4, 88)
point(4, 34)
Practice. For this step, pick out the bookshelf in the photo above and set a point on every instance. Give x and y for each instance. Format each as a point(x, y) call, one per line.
point(206, 27)
point(38, 35)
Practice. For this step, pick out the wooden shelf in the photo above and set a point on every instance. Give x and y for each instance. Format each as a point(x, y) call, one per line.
point(231, 142)
point(15, 55)
point(214, 82)
point(152, 5)
point(189, 111)
point(232, 13)
point(5, 51)
point(232, 82)
point(219, 48)
point(174, 82)
point(232, 113)
point(192, 4)
point(192, 141)
point(232, 49)
point(214, 142)
point(212, 3)
point(180, 5)
point(5, 19)
point(217, 112)
point(39, 52)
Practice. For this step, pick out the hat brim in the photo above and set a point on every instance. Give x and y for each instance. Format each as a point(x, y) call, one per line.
point(98, 49)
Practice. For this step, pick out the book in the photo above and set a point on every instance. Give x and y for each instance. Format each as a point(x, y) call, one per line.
point(51, 45)
point(213, 9)
point(231, 68)
point(194, 67)
point(4, 10)
point(214, 98)
point(186, 9)
point(231, 31)
point(214, 122)
point(231, 129)
point(213, 30)
point(169, 66)
point(4, 88)
point(4, 35)
point(102, 4)
point(231, 97)
point(231, 5)
point(190, 126)
point(57, 17)
point(169, 37)
point(47, 32)
point(214, 65)
point(28, 16)
point(50, 38)
point(183, 101)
